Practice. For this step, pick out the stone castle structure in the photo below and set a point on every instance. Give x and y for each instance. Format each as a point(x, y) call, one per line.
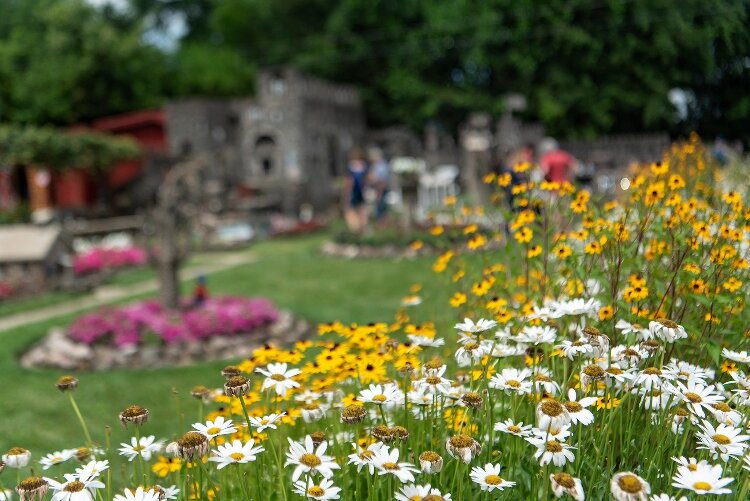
point(288, 142)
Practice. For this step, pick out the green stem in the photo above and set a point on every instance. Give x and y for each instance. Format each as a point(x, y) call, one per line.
point(89, 442)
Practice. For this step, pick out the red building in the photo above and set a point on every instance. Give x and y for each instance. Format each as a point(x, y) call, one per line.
point(77, 189)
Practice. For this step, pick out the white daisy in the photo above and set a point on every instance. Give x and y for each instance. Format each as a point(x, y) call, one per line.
point(471, 352)
point(651, 377)
point(215, 428)
point(279, 378)
point(666, 330)
point(697, 396)
point(306, 458)
point(666, 497)
point(577, 409)
point(543, 381)
point(628, 356)
point(641, 332)
point(386, 463)
point(56, 458)
point(488, 478)
point(145, 447)
point(564, 483)
point(321, 491)
point(364, 457)
point(171, 492)
point(268, 421)
point(627, 486)
point(381, 394)
point(17, 457)
point(512, 381)
point(307, 396)
point(313, 411)
point(432, 342)
point(705, 479)
point(578, 306)
point(235, 453)
point(685, 371)
point(74, 489)
point(551, 415)
point(572, 349)
point(551, 451)
point(736, 356)
point(469, 326)
point(724, 441)
point(519, 429)
point(92, 469)
point(413, 492)
point(138, 495)
point(433, 381)
point(536, 335)
point(559, 434)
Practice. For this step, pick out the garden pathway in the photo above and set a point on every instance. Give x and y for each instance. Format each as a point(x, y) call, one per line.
point(106, 294)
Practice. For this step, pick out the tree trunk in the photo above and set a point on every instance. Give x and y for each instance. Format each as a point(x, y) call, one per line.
point(169, 260)
point(169, 283)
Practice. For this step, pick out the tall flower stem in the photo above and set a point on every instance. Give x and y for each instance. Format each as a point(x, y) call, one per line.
point(89, 442)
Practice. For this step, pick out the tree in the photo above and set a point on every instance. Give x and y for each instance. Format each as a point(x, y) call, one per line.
point(59, 150)
point(64, 62)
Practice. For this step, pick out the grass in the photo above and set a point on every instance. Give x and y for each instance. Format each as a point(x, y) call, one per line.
point(53, 298)
point(290, 272)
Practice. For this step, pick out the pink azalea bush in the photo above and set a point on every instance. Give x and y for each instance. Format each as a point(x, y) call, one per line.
point(97, 259)
point(127, 325)
point(6, 289)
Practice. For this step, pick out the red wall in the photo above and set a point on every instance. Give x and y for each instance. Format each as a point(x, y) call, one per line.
point(76, 188)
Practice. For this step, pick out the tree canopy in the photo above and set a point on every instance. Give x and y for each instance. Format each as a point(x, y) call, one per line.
point(586, 67)
point(56, 149)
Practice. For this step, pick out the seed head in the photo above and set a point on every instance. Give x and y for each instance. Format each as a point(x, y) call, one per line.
point(134, 414)
point(32, 488)
point(236, 386)
point(352, 414)
point(472, 399)
point(65, 383)
point(191, 444)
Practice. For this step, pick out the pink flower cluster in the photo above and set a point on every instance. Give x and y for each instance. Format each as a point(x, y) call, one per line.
point(99, 258)
point(128, 325)
point(6, 289)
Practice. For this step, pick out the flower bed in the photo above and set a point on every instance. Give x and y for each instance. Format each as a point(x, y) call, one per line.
point(97, 259)
point(603, 354)
point(127, 326)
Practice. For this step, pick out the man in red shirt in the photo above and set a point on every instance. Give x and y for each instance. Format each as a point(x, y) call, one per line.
point(556, 164)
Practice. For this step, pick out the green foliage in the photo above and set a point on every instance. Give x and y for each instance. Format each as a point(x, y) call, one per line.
point(63, 62)
point(50, 147)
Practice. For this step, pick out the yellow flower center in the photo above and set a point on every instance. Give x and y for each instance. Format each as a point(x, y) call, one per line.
point(74, 486)
point(702, 486)
point(692, 467)
point(514, 429)
point(213, 430)
point(721, 439)
point(573, 406)
point(565, 480)
point(493, 480)
point(390, 466)
point(513, 383)
point(552, 408)
point(461, 441)
point(380, 398)
point(553, 446)
point(278, 377)
point(432, 380)
point(310, 460)
point(652, 371)
point(693, 397)
point(630, 484)
point(237, 456)
point(316, 491)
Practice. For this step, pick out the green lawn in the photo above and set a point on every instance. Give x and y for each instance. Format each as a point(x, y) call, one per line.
point(291, 272)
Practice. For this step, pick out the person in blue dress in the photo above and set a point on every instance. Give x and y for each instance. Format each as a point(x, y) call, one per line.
point(355, 207)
